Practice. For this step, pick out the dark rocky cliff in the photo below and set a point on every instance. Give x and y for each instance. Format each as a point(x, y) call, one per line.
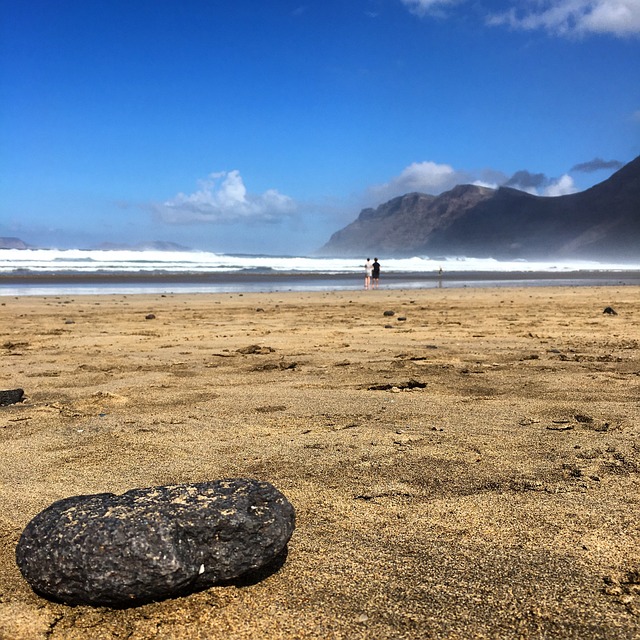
point(602, 222)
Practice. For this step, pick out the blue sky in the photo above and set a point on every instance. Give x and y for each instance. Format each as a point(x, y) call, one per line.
point(253, 126)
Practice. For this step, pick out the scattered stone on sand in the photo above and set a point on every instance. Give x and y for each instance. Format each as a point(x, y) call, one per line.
point(410, 384)
point(271, 408)
point(275, 366)
point(610, 311)
point(11, 396)
point(10, 346)
point(512, 546)
point(155, 543)
point(150, 316)
point(255, 349)
point(560, 426)
point(402, 319)
point(389, 313)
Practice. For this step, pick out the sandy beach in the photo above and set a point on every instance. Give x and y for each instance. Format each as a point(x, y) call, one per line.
point(467, 467)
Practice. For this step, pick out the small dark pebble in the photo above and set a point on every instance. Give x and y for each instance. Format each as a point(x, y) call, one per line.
point(389, 313)
point(150, 316)
point(410, 384)
point(610, 311)
point(255, 348)
point(11, 396)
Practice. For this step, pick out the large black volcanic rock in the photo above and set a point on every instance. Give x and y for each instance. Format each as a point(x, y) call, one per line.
point(11, 396)
point(155, 543)
point(602, 222)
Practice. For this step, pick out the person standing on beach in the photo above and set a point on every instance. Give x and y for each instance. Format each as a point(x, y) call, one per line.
point(375, 274)
point(368, 269)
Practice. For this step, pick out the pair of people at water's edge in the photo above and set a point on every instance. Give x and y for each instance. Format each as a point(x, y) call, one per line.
point(371, 274)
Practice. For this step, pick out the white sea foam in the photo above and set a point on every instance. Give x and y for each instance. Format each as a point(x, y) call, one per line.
point(52, 261)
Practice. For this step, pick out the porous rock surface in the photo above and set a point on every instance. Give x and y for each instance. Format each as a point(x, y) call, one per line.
point(11, 396)
point(154, 543)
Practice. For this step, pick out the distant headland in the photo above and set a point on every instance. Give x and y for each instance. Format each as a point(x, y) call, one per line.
point(600, 223)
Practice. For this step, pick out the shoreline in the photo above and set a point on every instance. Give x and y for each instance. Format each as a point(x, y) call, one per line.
point(249, 281)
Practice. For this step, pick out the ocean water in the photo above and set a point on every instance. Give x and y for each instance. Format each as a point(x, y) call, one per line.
point(78, 261)
point(52, 271)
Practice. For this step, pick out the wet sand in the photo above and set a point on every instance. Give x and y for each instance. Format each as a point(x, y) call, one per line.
point(266, 280)
point(500, 501)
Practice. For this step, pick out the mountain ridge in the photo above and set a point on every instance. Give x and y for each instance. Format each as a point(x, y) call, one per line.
point(602, 222)
point(11, 242)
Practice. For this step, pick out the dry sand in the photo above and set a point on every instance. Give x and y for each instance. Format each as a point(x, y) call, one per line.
point(501, 501)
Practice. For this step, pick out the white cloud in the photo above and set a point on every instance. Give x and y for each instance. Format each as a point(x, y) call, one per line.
point(559, 17)
point(426, 177)
point(484, 183)
point(223, 197)
point(563, 186)
point(424, 7)
point(576, 17)
point(538, 184)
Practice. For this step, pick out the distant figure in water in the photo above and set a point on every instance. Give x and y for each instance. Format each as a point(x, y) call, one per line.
point(375, 273)
point(368, 269)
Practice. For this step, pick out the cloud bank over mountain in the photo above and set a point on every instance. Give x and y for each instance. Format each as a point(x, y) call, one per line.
point(433, 178)
point(598, 164)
